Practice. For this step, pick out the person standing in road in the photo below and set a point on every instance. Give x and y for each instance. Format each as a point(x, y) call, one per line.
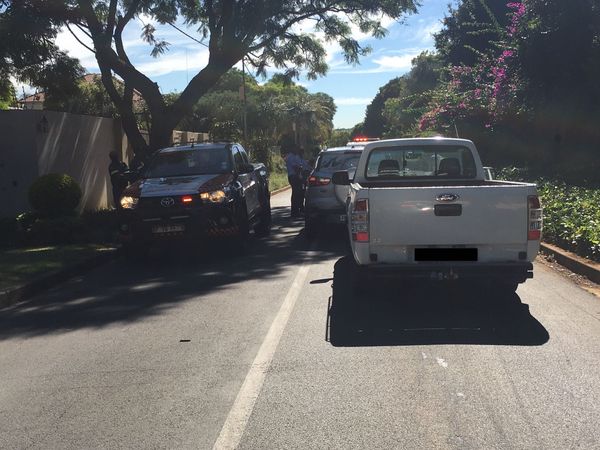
point(296, 165)
point(118, 177)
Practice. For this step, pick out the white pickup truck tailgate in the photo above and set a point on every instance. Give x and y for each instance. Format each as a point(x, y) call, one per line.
point(490, 215)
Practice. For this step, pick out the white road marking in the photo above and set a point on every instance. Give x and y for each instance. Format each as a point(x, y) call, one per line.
point(442, 362)
point(235, 424)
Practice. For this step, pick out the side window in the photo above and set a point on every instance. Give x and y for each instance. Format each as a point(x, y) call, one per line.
point(244, 155)
point(237, 157)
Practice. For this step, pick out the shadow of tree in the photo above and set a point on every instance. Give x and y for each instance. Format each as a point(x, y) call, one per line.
point(125, 291)
point(401, 313)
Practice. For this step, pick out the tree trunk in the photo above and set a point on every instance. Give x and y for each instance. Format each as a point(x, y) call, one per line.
point(161, 134)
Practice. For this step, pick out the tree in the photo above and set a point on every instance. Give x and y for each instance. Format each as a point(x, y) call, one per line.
point(374, 125)
point(339, 137)
point(7, 93)
point(28, 52)
point(264, 32)
point(470, 30)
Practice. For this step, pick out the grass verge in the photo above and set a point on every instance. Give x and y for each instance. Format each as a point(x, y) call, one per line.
point(22, 265)
point(277, 180)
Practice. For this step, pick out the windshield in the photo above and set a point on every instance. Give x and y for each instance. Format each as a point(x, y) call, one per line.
point(437, 161)
point(334, 161)
point(189, 162)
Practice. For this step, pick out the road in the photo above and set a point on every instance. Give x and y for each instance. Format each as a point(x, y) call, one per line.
point(258, 351)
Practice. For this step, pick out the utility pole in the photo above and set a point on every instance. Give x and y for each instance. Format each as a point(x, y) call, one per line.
point(245, 116)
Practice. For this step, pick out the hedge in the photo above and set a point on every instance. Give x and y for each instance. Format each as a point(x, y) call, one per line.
point(571, 213)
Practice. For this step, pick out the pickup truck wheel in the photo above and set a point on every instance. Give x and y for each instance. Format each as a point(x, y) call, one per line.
point(239, 242)
point(264, 225)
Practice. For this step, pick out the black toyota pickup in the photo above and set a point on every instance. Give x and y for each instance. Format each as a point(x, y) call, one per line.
point(196, 192)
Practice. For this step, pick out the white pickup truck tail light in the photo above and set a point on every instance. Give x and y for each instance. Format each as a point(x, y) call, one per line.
point(535, 218)
point(360, 220)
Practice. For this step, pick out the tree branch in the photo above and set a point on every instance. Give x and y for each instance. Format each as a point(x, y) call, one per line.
point(79, 40)
point(112, 17)
point(186, 34)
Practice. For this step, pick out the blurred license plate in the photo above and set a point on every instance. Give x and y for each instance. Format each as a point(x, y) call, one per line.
point(343, 218)
point(161, 229)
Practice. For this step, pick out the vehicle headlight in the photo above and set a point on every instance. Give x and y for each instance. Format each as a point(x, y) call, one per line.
point(214, 196)
point(129, 202)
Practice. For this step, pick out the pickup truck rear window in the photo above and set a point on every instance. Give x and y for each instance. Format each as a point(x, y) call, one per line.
point(334, 161)
point(189, 162)
point(421, 162)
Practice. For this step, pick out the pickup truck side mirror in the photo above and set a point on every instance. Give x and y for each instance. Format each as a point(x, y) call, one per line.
point(246, 168)
point(341, 178)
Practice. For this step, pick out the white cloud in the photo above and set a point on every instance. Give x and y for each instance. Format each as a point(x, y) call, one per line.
point(175, 62)
point(21, 89)
point(67, 42)
point(395, 63)
point(425, 34)
point(386, 63)
point(353, 101)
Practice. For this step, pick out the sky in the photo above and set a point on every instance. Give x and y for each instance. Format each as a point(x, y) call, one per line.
point(352, 87)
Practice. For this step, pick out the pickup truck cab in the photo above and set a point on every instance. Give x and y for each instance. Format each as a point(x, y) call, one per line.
point(423, 208)
point(195, 192)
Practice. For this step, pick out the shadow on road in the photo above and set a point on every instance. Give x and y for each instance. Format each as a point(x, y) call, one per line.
point(394, 313)
point(125, 291)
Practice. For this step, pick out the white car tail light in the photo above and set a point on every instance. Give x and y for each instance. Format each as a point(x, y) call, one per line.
point(535, 218)
point(360, 220)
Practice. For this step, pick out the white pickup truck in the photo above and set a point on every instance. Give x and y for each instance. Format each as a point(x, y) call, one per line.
point(423, 208)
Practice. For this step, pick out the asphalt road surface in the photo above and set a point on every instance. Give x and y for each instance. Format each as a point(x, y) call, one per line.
point(203, 349)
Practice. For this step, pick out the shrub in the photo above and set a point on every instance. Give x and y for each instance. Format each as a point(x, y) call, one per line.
point(571, 213)
point(54, 195)
point(56, 230)
point(8, 231)
point(101, 226)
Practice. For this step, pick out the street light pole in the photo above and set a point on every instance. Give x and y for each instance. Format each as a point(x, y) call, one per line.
point(245, 116)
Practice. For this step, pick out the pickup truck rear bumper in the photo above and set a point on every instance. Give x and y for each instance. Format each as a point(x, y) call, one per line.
point(517, 272)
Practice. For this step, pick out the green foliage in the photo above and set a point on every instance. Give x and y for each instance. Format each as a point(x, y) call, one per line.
point(55, 230)
point(571, 213)
point(471, 30)
point(416, 89)
point(7, 94)
point(272, 111)
point(225, 131)
point(263, 34)
point(28, 51)
point(339, 138)
point(91, 227)
point(8, 231)
point(261, 150)
point(54, 195)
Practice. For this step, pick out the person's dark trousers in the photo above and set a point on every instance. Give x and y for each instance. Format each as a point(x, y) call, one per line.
point(117, 193)
point(297, 195)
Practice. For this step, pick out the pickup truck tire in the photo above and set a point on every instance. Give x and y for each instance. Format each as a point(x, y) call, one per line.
point(263, 228)
point(134, 252)
point(239, 242)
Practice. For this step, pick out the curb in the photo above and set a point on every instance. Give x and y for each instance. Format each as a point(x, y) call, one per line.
point(573, 262)
point(20, 293)
point(280, 190)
